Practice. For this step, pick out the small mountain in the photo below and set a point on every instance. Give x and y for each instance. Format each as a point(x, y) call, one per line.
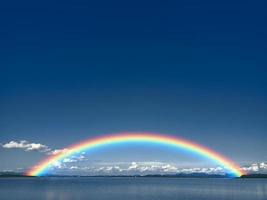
point(11, 174)
point(254, 176)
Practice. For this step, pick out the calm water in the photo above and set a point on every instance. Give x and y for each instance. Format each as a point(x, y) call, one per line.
point(132, 188)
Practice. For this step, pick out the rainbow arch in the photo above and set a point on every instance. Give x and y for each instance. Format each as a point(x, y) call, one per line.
point(44, 165)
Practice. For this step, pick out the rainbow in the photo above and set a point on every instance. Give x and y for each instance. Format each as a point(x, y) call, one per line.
point(41, 168)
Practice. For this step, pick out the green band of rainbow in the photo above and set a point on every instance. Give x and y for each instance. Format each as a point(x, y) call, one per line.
point(42, 166)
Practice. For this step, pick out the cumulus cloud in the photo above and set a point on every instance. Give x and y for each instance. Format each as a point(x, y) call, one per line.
point(57, 164)
point(26, 146)
point(68, 160)
point(256, 168)
point(57, 151)
point(151, 167)
point(31, 146)
point(67, 164)
point(73, 167)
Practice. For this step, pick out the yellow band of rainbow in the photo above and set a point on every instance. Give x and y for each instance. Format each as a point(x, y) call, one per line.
point(226, 163)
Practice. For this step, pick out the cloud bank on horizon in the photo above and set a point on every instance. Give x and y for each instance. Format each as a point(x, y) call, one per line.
point(74, 167)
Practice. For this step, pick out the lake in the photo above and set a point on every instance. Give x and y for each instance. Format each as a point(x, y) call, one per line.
point(132, 188)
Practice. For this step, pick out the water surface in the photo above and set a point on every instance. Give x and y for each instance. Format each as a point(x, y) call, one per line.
point(132, 188)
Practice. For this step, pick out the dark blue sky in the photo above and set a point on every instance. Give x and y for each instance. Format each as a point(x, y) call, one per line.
point(71, 70)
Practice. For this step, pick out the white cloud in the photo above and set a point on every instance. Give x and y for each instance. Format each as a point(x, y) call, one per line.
point(133, 165)
point(26, 146)
point(68, 166)
point(74, 167)
point(68, 160)
point(57, 151)
point(74, 158)
point(263, 165)
point(256, 168)
point(139, 168)
point(207, 170)
point(57, 164)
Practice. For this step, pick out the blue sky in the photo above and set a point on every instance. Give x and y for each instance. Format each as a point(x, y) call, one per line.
point(71, 70)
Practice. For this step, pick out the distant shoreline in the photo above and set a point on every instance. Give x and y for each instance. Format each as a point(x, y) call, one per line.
point(197, 175)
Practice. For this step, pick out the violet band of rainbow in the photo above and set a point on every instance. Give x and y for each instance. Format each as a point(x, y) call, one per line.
point(41, 167)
